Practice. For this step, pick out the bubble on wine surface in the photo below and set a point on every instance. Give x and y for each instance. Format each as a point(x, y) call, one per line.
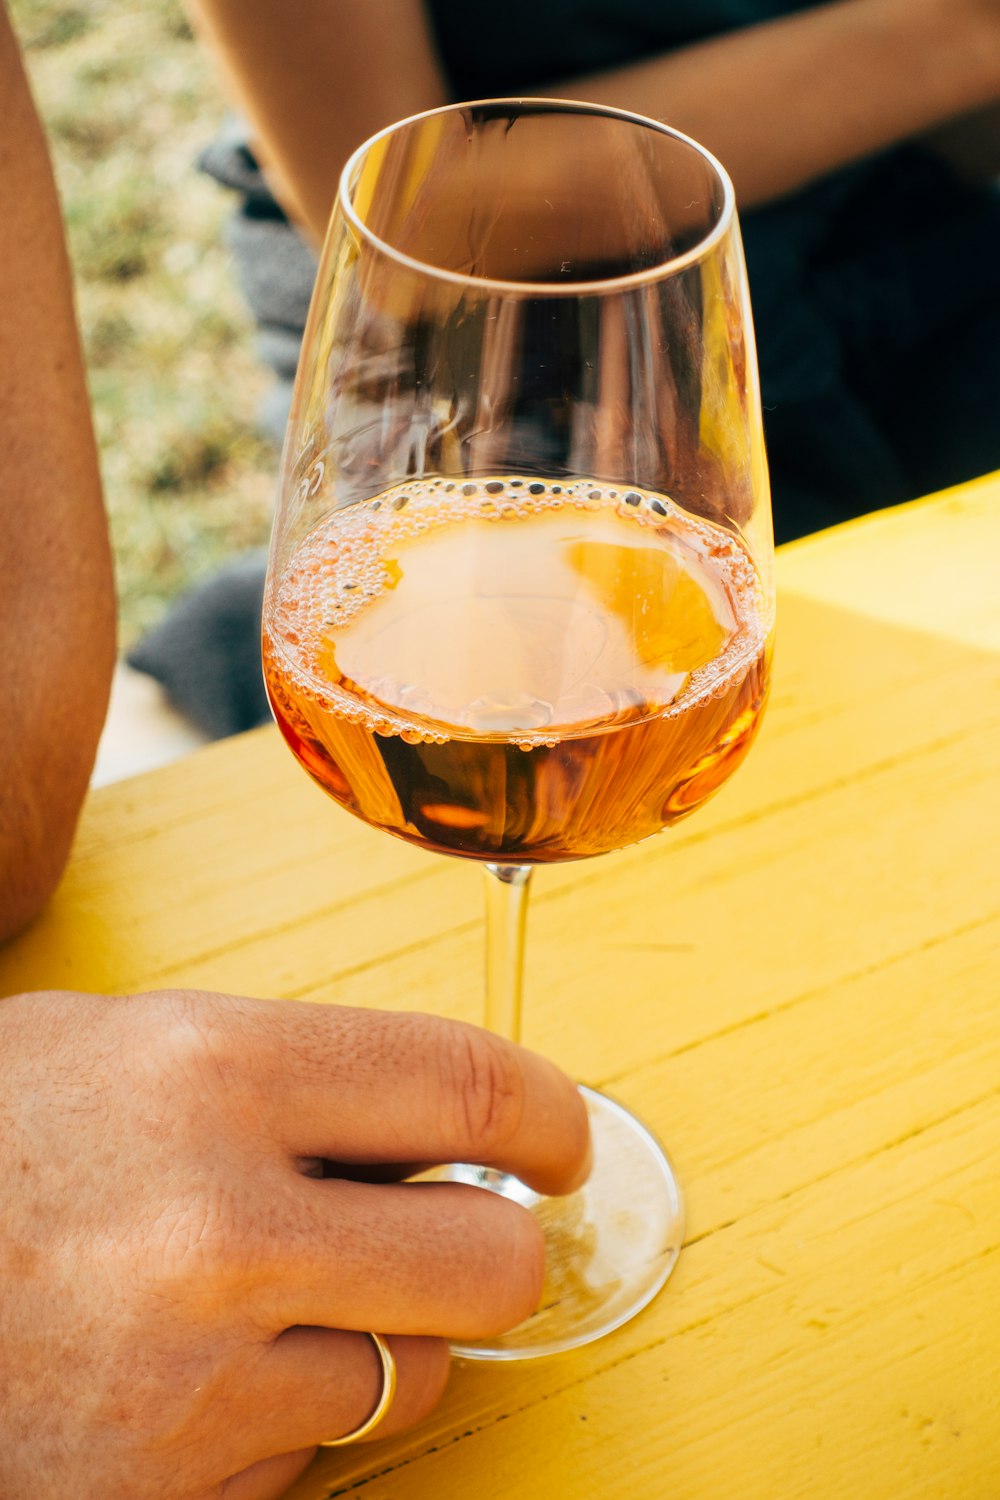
point(403, 617)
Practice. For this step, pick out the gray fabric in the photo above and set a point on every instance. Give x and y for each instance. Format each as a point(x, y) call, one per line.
point(206, 652)
point(275, 267)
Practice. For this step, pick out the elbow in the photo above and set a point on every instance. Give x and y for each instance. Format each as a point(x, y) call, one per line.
point(25, 890)
point(22, 901)
point(39, 812)
point(31, 868)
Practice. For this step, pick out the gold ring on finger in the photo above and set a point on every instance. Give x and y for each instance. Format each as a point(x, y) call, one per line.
point(382, 1404)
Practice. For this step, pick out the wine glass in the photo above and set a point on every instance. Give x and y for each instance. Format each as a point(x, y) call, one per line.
point(519, 602)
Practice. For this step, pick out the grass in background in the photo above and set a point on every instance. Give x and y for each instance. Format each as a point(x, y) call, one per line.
point(129, 99)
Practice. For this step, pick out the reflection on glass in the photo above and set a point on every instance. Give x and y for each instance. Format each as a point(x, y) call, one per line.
point(519, 605)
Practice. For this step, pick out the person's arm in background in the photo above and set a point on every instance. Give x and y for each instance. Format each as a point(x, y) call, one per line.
point(779, 103)
point(314, 87)
point(57, 612)
point(787, 101)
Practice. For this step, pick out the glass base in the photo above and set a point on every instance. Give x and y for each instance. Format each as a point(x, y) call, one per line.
point(609, 1247)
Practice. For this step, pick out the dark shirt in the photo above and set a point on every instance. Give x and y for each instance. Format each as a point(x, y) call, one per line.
point(489, 51)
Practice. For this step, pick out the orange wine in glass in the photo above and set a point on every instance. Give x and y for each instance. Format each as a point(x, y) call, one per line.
point(519, 604)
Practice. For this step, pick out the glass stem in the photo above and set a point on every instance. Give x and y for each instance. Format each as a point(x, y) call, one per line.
point(506, 910)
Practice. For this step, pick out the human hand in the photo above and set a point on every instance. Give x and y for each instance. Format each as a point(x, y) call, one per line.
point(202, 1205)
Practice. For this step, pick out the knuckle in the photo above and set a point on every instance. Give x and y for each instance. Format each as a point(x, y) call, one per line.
point(208, 1251)
point(486, 1090)
point(191, 1048)
point(194, 1243)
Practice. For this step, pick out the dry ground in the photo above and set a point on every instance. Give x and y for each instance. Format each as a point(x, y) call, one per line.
point(128, 99)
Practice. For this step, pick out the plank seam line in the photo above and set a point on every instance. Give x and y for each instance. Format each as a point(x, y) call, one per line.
point(475, 925)
point(658, 1343)
point(695, 837)
point(930, 747)
point(894, 1144)
point(266, 934)
point(803, 997)
point(462, 928)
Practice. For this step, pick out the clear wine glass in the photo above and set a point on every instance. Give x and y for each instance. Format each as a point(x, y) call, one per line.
point(519, 603)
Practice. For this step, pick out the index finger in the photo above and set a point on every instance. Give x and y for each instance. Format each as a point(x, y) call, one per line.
point(368, 1086)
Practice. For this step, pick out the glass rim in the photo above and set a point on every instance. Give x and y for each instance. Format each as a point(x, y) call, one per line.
point(650, 275)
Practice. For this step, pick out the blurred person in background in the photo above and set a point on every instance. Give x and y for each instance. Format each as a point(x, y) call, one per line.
point(872, 232)
point(863, 138)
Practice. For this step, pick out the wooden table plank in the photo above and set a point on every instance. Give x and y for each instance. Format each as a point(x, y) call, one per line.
point(804, 982)
point(934, 566)
point(186, 920)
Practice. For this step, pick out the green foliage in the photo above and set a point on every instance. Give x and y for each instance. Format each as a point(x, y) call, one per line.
point(129, 99)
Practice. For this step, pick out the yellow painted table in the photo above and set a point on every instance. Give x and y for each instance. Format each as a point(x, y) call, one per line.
point(799, 989)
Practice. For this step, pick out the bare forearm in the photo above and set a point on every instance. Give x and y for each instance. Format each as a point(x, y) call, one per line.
point(784, 102)
point(316, 79)
point(780, 103)
point(56, 590)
